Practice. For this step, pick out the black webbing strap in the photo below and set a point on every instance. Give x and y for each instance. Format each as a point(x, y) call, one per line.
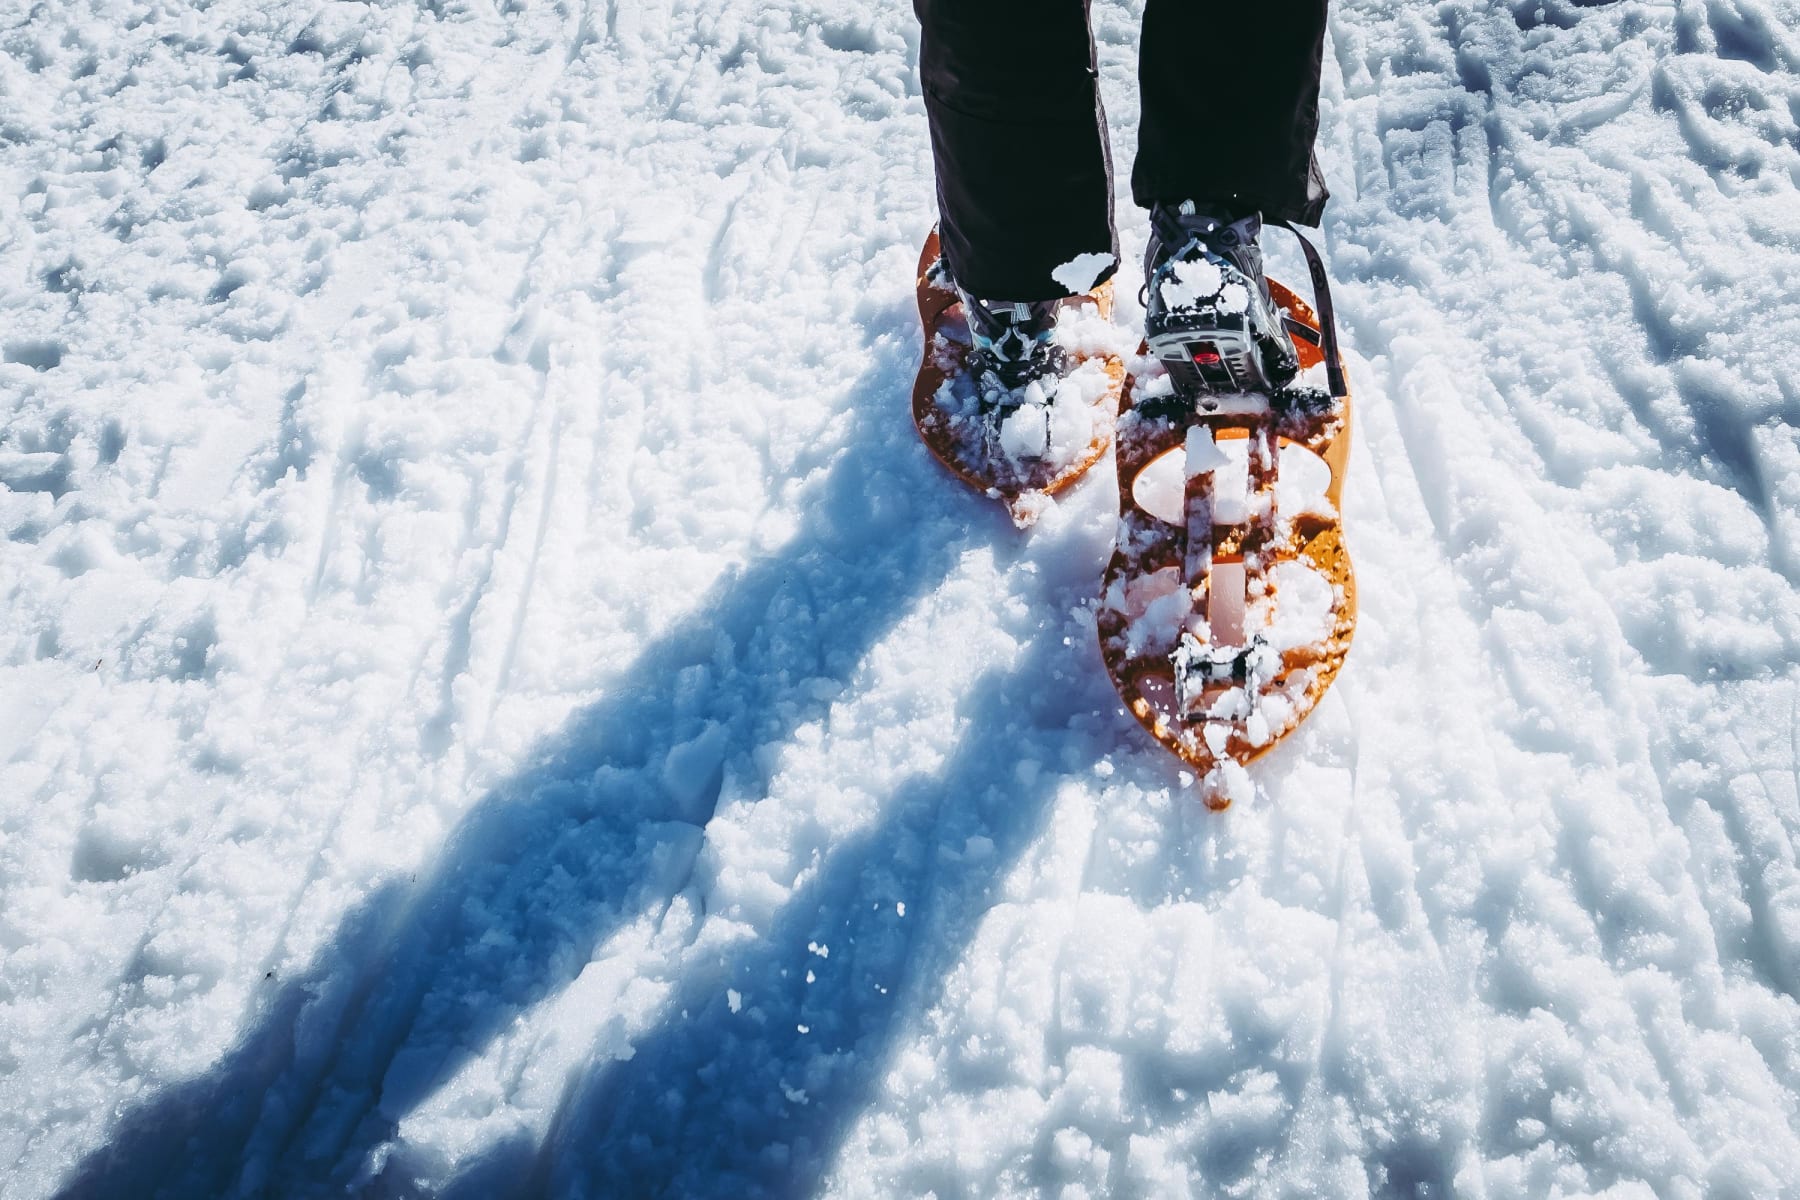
point(1334, 367)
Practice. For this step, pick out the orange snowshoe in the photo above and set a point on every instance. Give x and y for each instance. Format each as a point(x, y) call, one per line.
point(1229, 603)
point(1018, 453)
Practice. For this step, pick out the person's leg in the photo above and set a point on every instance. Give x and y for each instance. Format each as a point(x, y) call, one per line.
point(1230, 95)
point(1019, 140)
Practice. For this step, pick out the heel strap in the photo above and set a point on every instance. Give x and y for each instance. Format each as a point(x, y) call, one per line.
point(1334, 366)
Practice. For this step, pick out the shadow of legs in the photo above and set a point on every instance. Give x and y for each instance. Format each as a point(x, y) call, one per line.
point(755, 1101)
point(604, 822)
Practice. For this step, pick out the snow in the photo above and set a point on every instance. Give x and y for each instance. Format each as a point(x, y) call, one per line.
point(477, 612)
point(1190, 282)
point(1025, 430)
point(1299, 487)
point(1082, 272)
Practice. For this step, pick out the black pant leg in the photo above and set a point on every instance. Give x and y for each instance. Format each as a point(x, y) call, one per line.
point(1230, 95)
point(1019, 141)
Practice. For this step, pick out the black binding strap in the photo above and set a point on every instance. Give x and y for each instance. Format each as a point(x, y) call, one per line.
point(1334, 367)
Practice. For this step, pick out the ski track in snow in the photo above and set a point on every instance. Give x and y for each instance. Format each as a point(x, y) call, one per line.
point(496, 701)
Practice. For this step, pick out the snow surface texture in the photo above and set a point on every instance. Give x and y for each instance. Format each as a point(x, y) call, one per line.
point(498, 703)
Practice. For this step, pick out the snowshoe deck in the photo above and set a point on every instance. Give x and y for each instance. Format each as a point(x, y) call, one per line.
point(1189, 623)
point(980, 445)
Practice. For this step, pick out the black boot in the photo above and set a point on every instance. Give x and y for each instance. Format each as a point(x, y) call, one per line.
point(1013, 347)
point(1207, 312)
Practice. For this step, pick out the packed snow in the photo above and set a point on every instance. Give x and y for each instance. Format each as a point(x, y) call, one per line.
point(497, 702)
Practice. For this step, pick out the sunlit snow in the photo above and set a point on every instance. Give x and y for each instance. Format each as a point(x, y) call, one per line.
point(495, 700)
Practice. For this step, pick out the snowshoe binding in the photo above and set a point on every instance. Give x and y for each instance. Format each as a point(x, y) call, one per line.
point(1017, 399)
point(1232, 444)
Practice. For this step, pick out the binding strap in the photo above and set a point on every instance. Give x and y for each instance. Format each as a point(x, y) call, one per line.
point(1334, 367)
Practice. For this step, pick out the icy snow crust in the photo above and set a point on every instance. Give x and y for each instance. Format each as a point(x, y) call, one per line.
point(497, 702)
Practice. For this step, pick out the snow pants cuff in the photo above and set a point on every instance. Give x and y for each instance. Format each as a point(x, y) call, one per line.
point(1019, 141)
point(1230, 106)
point(1230, 111)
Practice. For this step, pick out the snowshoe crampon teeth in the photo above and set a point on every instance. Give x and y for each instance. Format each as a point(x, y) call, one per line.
point(1222, 621)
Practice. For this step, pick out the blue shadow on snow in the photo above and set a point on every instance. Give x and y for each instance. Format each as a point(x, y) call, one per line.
point(604, 825)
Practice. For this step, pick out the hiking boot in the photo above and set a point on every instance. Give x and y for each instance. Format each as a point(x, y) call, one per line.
point(1013, 348)
point(1208, 316)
